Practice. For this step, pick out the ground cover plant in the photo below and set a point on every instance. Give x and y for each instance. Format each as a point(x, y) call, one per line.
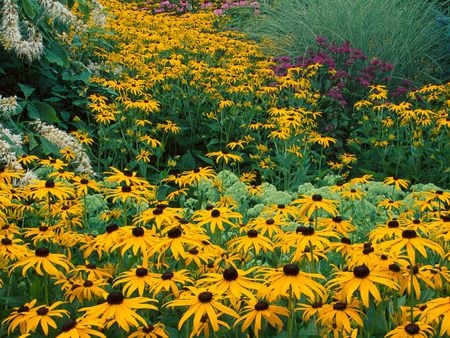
point(183, 183)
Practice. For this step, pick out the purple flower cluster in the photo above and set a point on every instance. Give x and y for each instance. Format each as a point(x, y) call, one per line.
point(229, 4)
point(166, 6)
point(347, 68)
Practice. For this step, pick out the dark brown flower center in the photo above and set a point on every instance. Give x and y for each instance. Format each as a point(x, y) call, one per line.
point(167, 275)
point(42, 311)
point(138, 232)
point(230, 274)
point(111, 228)
point(115, 298)
point(409, 234)
point(261, 305)
point(41, 252)
point(84, 181)
point(308, 231)
point(317, 305)
point(337, 219)
point(317, 197)
point(412, 329)
point(252, 233)
point(270, 221)
point(49, 184)
point(281, 206)
point(174, 233)
point(43, 228)
point(148, 329)
point(141, 272)
point(291, 270)
point(205, 297)
point(340, 306)
point(126, 188)
point(128, 173)
point(91, 266)
point(393, 223)
point(346, 240)
point(215, 213)
point(69, 325)
point(6, 241)
point(88, 283)
point(361, 271)
point(157, 211)
point(367, 250)
point(23, 309)
point(194, 251)
point(394, 267)
point(416, 221)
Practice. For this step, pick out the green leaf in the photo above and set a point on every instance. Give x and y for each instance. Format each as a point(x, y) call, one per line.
point(26, 90)
point(29, 8)
point(43, 111)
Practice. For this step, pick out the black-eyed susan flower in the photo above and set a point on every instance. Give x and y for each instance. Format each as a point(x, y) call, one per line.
point(397, 182)
point(438, 309)
point(268, 225)
point(341, 315)
point(120, 310)
point(19, 317)
point(391, 230)
point(361, 279)
point(127, 177)
point(187, 178)
point(137, 279)
point(54, 163)
point(251, 240)
point(84, 289)
point(84, 184)
point(161, 215)
point(197, 256)
point(81, 328)
point(337, 224)
point(216, 218)
point(170, 281)
point(412, 242)
point(43, 189)
point(124, 193)
point(200, 303)
point(156, 330)
point(12, 249)
point(232, 282)
point(41, 316)
point(413, 330)
point(43, 262)
point(139, 240)
point(256, 312)
point(311, 204)
point(91, 271)
point(225, 156)
point(290, 280)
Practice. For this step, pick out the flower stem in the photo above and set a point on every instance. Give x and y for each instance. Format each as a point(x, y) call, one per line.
point(290, 326)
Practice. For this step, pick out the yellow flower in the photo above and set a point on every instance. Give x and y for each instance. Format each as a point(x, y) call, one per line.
point(314, 203)
point(81, 328)
point(43, 262)
point(438, 309)
point(202, 304)
point(413, 330)
point(225, 156)
point(120, 310)
point(42, 316)
point(398, 183)
point(258, 310)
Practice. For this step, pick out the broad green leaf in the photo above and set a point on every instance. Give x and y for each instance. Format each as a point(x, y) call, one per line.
point(43, 111)
point(26, 90)
point(29, 8)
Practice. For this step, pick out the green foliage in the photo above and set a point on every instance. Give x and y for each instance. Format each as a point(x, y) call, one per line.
point(402, 32)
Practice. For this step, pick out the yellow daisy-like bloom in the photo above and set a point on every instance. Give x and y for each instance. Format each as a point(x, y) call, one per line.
point(161, 215)
point(438, 309)
point(90, 271)
point(270, 225)
point(258, 310)
point(124, 193)
point(392, 230)
point(54, 163)
point(26, 159)
point(138, 239)
point(135, 279)
point(45, 188)
point(196, 175)
point(232, 282)
point(126, 176)
point(225, 156)
point(305, 238)
point(353, 194)
point(361, 279)
point(84, 290)
point(337, 224)
point(282, 282)
point(340, 314)
point(311, 204)
point(398, 183)
point(287, 211)
point(201, 303)
point(251, 240)
point(216, 217)
point(42, 316)
point(12, 248)
point(81, 328)
point(170, 281)
point(19, 317)
point(120, 310)
point(413, 330)
point(83, 185)
point(43, 262)
point(150, 331)
point(412, 242)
